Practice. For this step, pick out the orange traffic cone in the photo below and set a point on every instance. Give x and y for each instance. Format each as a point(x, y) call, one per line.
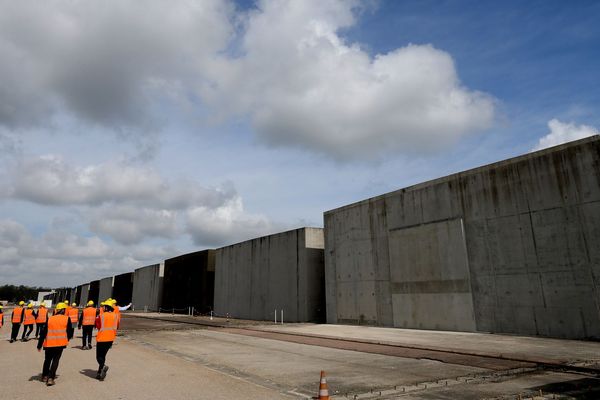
point(323, 390)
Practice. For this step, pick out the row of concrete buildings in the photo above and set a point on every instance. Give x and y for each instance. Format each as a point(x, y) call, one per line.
point(512, 247)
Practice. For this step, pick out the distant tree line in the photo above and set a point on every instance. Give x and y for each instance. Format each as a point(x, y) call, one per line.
point(14, 293)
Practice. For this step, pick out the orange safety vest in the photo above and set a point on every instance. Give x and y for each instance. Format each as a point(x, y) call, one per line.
point(1, 319)
point(29, 318)
point(17, 313)
point(57, 331)
point(118, 312)
point(108, 327)
point(89, 316)
point(73, 313)
point(42, 317)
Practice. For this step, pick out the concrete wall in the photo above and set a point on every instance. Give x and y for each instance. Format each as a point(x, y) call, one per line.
point(510, 247)
point(123, 288)
point(106, 288)
point(94, 292)
point(189, 281)
point(85, 290)
point(281, 271)
point(148, 287)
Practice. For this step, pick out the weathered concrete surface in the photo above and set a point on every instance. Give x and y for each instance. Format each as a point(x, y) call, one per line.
point(148, 287)
point(283, 271)
point(105, 290)
point(85, 290)
point(189, 281)
point(510, 247)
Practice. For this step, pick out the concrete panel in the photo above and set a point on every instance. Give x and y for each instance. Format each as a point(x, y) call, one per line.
point(189, 282)
point(123, 288)
point(147, 287)
point(105, 290)
point(85, 290)
point(441, 311)
point(94, 292)
point(283, 271)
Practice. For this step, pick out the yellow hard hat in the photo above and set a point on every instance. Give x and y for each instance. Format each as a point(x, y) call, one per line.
point(43, 304)
point(21, 302)
point(90, 303)
point(74, 305)
point(113, 301)
point(30, 305)
point(61, 306)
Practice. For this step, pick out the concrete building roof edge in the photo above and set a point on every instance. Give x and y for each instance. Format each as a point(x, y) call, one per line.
point(271, 234)
point(471, 171)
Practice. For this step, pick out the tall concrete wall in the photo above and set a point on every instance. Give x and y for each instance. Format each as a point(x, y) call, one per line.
point(105, 290)
point(123, 288)
point(85, 290)
point(148, 287)
point(281, 271)
point(94, 292)
point(189, 281)
point(510, 247)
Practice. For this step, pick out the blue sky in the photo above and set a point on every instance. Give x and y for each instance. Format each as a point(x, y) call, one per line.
point(132, 132)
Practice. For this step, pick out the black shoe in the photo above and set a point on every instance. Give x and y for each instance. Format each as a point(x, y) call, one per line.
point(12, 340)
point(103, 372)
point(50, 382)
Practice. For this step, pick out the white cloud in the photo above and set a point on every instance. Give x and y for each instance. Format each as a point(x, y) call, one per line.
point(227, 224)
point(61, 259)
point(285, 67)
point(50, 180)
point(561, 132)
point(130, 225)
point(303, 85)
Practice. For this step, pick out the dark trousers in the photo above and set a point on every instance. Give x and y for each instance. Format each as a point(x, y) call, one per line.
point(101, 350)
point(28, 329)
point(15, 331)
point(87, 334)
point(51, 361)
point(39, 328)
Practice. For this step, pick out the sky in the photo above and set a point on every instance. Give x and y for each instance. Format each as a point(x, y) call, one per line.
point(136, 131)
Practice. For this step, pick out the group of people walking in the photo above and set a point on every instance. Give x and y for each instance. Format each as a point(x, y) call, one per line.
point(55, 330)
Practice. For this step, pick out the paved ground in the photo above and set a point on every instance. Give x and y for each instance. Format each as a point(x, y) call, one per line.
point(172, 358)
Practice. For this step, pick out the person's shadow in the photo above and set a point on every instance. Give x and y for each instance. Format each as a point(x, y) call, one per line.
point(90, 373)
point(38, 378)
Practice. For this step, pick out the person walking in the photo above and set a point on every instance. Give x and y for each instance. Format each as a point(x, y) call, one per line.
point(28, 322)
point(106, 323)
point(16, 319)
point(87, 320)
point(41, 319)
point(54, 338)
point(73, 314)
point(1, 316)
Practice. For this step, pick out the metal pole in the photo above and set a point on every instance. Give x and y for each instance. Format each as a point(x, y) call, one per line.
point(282, 316)
point(275, 316)
point(211, 314)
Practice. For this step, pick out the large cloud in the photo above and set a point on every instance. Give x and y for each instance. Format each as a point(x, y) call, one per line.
point(283, 65)
point(563, 132)
point(304, 86)
point(106, 62)
point(131, 203)
point(58, 258)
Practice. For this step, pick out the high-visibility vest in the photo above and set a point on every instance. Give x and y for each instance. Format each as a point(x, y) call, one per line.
point(57, 331)
point(29, 318)
point(17, 313)
point(1, 319)
point(42, 316)
point(108, 327)
point(73, 313)
point(89, 316)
